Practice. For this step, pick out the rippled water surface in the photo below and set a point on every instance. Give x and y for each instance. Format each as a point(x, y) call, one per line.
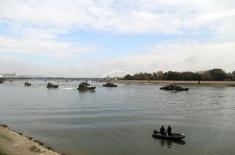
point(120, 121)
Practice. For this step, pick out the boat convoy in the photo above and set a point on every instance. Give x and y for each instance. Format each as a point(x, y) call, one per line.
point(83, 86)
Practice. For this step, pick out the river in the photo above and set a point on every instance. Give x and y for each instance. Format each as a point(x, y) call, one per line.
point(120, 121)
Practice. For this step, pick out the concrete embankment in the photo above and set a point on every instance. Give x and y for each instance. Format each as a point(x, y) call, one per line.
point(14, 143)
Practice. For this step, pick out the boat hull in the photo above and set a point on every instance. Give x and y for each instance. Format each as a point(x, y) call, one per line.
point(174, 136)
point(86, 89)
point(109, 86)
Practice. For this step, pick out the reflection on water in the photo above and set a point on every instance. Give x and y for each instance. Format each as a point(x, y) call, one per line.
point(170, 143)
point(120, 121)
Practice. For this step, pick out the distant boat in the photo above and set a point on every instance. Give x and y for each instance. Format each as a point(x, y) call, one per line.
point(27, 84)
point(51, 85)
point(109, 85)
point(174, 87)
point(173, 136)
point(1, 81)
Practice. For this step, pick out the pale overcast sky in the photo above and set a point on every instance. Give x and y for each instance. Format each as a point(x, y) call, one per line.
point(84, 38)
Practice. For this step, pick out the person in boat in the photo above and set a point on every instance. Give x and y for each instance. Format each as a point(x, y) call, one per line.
point(162, 130)
point(169, 130)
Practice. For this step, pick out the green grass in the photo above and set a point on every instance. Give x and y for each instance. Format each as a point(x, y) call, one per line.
point(5, 137)
point(2, 153)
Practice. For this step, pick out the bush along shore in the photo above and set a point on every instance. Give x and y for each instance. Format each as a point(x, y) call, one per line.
point(15, 143)
point(209, 75)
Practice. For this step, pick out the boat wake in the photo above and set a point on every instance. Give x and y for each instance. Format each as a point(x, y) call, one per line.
point(69, 88)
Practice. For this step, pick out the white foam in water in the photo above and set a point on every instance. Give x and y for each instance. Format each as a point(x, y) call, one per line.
point(69, 88)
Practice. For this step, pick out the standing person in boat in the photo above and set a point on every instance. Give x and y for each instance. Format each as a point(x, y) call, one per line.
point(169, 130)
point(162, 130)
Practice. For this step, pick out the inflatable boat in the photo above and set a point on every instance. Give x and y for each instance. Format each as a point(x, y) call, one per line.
point(173, 136)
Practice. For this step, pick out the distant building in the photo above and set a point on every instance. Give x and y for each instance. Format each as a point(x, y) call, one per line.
point(7, 75)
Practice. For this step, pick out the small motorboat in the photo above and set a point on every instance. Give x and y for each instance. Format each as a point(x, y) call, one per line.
point(85, 87)
point(173, 136)
point(51, 85)
point(109, 85)
point(174, 87)
point(1, 81)
point(27, 84)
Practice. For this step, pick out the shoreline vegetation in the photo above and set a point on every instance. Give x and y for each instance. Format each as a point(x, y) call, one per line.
point(196, 83)
point(15, 143)
point(209, 75)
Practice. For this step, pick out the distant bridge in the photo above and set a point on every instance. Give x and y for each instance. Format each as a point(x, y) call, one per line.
point(116, 74)
point(109, 75)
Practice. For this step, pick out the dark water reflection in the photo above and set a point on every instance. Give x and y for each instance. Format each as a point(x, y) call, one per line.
point(169, 143)
point(120, 121)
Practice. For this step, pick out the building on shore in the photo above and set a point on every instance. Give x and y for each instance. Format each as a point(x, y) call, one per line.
point(7, 75)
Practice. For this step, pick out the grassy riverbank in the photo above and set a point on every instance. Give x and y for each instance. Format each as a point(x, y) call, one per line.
point(2, 153)
point(13, 143)
point(163, 82)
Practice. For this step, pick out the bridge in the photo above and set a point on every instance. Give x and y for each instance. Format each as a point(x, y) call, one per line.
point(109, 75)
point(116, 74)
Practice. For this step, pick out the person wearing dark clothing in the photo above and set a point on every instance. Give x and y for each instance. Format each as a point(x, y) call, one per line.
point(169, 130)
point(162, 130)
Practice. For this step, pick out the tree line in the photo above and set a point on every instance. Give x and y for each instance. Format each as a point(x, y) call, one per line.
point(209, 75)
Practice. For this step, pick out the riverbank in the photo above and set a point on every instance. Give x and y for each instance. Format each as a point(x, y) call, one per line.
point(213, 83)
point(14, 143)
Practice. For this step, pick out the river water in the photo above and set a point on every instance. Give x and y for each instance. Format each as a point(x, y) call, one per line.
point(120, 121)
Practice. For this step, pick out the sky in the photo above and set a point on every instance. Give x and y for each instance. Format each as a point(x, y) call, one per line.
point(89, 38)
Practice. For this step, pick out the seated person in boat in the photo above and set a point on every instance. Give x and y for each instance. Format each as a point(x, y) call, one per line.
point(169, 130)
point(162, 130)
